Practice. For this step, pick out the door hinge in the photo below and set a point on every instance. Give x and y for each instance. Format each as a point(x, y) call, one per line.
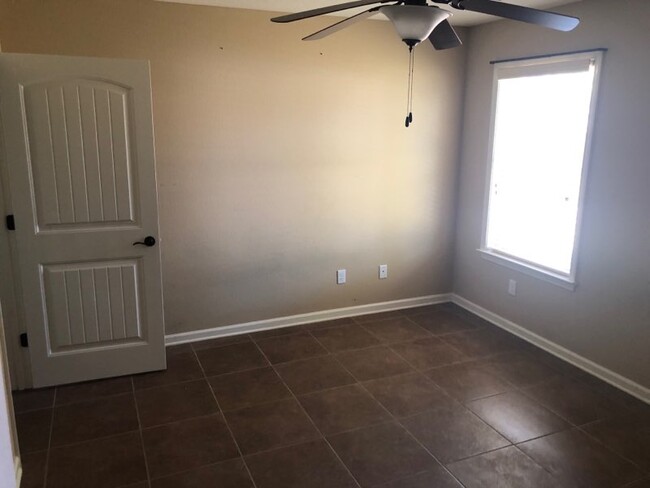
point(11, 222)
point(24, 342)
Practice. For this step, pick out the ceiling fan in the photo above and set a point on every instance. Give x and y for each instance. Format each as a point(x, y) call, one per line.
point(416, 20)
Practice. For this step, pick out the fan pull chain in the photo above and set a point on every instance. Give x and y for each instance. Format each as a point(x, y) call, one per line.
point(409, 99)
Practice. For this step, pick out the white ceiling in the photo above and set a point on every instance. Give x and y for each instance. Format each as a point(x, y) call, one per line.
point(459, 17)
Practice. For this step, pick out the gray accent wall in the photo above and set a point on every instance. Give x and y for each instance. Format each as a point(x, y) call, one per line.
point(607, 318)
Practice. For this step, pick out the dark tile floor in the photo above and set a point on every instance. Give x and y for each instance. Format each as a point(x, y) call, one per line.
point(430, 397)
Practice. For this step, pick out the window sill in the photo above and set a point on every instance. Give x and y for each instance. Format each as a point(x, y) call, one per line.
point(566, 282)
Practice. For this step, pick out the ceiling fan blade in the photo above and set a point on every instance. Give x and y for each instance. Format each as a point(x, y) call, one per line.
point(551, 20)
point(325, 10)
point(342, 24)
point(444, 36)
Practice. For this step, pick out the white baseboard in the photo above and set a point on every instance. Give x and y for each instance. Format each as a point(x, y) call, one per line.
point(614, 379)
point(305, 318)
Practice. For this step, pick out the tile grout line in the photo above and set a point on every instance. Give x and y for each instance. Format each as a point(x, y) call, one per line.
point(87, 441)
point(610, 449)
point(295, 398)
point(394, 418)
point(544, 468)
point(225, 420)
point(511, 444)
point(521, 390)
point(49, 440)
point(517, 389)
point(144, 451)
point(390, 415)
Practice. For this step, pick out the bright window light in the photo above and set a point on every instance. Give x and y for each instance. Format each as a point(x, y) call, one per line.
point(541, 124)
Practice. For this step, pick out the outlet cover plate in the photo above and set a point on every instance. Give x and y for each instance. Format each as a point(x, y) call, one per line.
point(383, 271)
point(512, 287)
point(341, 277)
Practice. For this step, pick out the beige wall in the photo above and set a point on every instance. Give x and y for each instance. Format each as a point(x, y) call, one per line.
point(607, 318)
point(279, 161)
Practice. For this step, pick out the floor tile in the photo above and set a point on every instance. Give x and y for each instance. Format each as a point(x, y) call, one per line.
point(312, 465)
point(639, 484)
point(33, 469)
point(521, 370)
point(280, 331)
point(270, 426)
point(398, 329)
point(33, 430)
point(231, 358)
point(481, 342)
point(517, 417)
point(505, 468)
point(227, 474)
point(178, 349)
point(408, 394)
point(435, 478)
point(344, 408)
point(628, 436)
point(373, 317)
point(92, 390)
point(372, 363)
point(454, 433)
point(314, 374)
point(424, 309)
point(247, 388)
point(84, 421)
point(562, 367)
point(381, 453)
point(329, 323)
point(441, 322)
point(26, 400)
point(291, 348)
point(523, 392)
point(220, 341)
point(467, 381)
point(344, 338)
point(180, 367)
point(578, 461)
point(573, 401)
point(187, 445)
point(613, 395)
point(103, 463)
point(428, 353)
point(157, 406)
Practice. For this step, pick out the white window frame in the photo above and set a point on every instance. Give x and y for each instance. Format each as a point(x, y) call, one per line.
point(536, 66)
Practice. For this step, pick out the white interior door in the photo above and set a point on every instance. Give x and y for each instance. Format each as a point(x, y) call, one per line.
point(79, 147)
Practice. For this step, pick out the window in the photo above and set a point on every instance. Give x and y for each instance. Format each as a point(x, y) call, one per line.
point(541, 124)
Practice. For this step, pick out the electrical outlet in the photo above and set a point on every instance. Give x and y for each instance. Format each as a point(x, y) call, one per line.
point(383, 271)
point(340, 277)
point(512, 287)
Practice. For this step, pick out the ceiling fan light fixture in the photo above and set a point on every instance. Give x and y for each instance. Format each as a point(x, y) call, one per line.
point(414, 23)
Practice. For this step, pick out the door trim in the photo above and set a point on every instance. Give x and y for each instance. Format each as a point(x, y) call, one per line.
point(19, 366)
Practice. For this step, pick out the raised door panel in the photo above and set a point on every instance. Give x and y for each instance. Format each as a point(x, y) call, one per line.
point(80, 156)
point(90, 305)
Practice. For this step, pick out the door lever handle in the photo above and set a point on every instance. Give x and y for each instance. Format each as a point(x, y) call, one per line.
point(148, 241)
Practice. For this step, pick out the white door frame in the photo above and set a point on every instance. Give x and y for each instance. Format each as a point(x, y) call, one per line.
point(10, 462)
point(19, 365)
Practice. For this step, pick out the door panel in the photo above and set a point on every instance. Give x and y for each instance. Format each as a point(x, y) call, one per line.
point(92, 304)
point(78, 132)
point(79, 140)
